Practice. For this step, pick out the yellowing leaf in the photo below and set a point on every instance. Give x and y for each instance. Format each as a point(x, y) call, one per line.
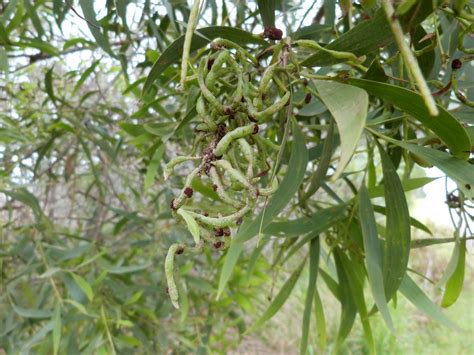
point(349, 109)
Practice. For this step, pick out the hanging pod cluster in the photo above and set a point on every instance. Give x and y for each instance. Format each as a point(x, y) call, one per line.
point(229, 152)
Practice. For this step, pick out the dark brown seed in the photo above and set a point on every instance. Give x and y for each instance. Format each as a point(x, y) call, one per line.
point(210, 62)
point(218, 232)
point(228, 111)
point(456, 64)
point(221, 129)
point(468, 186)
point(217, 245)
point(227, 231)
point(307, 98)
point(255, 129)
point(305, 82)
point(205, 214)
point(273, 33)
point(188, 192)
point(251, 118)
point(179, 251)
point(214, 187)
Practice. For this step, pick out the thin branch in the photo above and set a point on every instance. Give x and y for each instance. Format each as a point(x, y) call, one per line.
point(409, 58)
point(81, 17)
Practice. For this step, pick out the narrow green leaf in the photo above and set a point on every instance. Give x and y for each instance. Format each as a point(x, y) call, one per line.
point(348, 306)
point(405, 6)
point(332, 285)
point(48, 83)
point(84, 286)
point(153, 166)
point(460, 171)
point(85, 75)
point(425, 242)
point(267, 12)
point(121, 6)
point(320, 321)
point(3, 36)
point(373, 255)
point(202, 37)
point(279, 299)
point(36, 338)
point(279, 200)
point(320, 174)
point(313, 273)
point(59, 10)
point(32, 313)
point(398, 234)
point(27, 198)
point(87, 7)
point(315, 224)
point(3, 60)
point(56, 328)
point(8, 11)
point(313, 31)
point(416, 296)
point(413, 221)
point(254, 257)
point(349, 109)
point(445, 125)
point(358, 42)
point(31, 11)
point(119, 270)
point(408, 185)
point(357, 291)
point(79, 306)
point(456, 281)
point(38, 44)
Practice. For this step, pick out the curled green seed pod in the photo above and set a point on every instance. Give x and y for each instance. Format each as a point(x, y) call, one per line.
point(208, 95)
point(306, 43)
point(266, 77)
point(277, 106)
point(204, 115)
point(237, 133)
point(248, 155)
point(221, 59)
point(168, 170)
point(240, 50)
point(222, 222)
point(239, 91)
point(193, 227)
point(267, 143)
point(216, 180)
point(169, 273)
point(267, 191)
point(178, 201)
point(234, 173)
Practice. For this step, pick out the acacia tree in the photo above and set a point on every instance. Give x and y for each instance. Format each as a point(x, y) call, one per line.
point(160, 155)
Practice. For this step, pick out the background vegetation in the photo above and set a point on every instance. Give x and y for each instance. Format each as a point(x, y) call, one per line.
point(91, 111)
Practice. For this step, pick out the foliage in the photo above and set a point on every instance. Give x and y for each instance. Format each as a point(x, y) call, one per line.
point(322, 126)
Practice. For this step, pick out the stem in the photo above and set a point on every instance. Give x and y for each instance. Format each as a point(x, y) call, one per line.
point(193, 17)
point(107, 330)
point(409, 58)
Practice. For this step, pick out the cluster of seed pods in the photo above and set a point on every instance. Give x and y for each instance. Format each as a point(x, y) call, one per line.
point(229, 152)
